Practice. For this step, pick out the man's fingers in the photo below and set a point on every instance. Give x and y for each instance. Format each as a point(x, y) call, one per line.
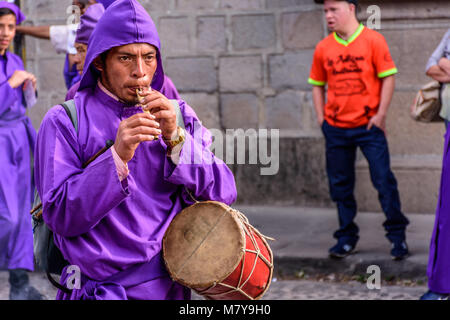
point(141, 119)
point(136, 139)
point(143, 130)
point(165, 114)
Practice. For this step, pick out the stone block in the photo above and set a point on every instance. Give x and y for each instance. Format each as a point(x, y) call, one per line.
point(409, 137)
point(233, 108)
point(290, 70)
point(48, 9)
point(242, 4)
point(211, 34)
point(240, 73)
point(39, 110)
point(411, 53)
point(301, 178)
point(31, 46)
point(30, 66)
point(253, 31)
point(293, 25)
point(288, 3)
point(192, 74)
point(175, 35)
point(415, 10)
point(206, 106)
point(284, 111)
point(46, 49)
point(156, 5)
point(195, 4)
point(50, 76)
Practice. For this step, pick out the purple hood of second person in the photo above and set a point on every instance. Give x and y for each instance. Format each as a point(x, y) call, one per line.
point(124, 22)
point(106, 3)
point(88, 22)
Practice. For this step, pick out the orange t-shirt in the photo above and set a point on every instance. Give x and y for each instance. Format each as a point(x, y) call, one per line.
point(353, 70)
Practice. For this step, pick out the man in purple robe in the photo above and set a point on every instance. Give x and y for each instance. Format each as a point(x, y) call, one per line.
point(109, 218)
point(17, 138)
point(88, 22)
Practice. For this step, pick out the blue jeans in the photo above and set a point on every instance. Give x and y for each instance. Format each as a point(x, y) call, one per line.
point(341, 146)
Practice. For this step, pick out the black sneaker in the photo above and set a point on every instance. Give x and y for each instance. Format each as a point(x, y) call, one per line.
point(341, 250)
point(399, 250)
point(25, 292)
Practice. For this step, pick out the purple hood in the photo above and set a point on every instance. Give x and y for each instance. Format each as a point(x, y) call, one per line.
point(106, 3)
point(88, 22)
point(11, 6)
point(124, 22)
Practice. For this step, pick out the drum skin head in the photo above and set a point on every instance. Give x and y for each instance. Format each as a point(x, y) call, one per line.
point(203, 244)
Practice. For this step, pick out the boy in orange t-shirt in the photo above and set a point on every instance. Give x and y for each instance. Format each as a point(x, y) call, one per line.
point(355, 63)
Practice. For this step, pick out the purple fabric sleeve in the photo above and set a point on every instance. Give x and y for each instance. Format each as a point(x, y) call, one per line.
point(74, 199)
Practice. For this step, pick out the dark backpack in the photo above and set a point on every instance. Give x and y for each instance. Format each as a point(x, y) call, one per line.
point(47, 256)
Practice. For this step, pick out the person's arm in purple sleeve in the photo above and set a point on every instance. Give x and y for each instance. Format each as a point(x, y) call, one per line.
point(8, 95)
point(74, 199)
point(7, 88)
point(204, 175)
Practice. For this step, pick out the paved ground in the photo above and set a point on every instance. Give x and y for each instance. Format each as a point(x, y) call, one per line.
point(302, 267)
point(304, 235)
point(279, 290)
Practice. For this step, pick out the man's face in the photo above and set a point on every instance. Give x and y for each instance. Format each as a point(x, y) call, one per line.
point(7, 31)
point(337, 13)
point(128, 68)
point(80, 57)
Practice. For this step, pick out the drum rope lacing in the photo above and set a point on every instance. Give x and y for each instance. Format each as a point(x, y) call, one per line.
point(249, 230)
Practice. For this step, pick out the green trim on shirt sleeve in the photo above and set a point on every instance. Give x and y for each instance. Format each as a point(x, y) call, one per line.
point(387, 73)
point(316, 83)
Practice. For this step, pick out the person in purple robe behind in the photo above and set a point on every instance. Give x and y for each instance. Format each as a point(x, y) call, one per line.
point(17, 138)
point(109, 218)
point(62, 37)
point(88, 22)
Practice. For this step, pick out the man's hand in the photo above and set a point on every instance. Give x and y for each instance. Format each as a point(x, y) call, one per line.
point(320, 120)
point(163, 110)
point(132, 131)
point(444, 64)
point(379, 120)
point(19, 77)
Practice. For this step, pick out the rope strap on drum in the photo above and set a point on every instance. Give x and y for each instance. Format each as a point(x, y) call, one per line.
point(250, 231)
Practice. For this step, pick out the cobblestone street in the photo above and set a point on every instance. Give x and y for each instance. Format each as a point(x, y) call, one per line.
point(279, 290)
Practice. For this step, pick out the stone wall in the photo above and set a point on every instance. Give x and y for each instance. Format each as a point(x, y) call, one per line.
point(245, 64)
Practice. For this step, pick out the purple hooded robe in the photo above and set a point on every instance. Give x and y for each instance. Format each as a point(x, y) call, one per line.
point(113, 230)
point(88, 21)
point(71, 76)
point(17, 138)
point(439, 262)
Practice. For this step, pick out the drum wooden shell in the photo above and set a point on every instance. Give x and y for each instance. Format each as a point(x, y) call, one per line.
point(212, 249)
